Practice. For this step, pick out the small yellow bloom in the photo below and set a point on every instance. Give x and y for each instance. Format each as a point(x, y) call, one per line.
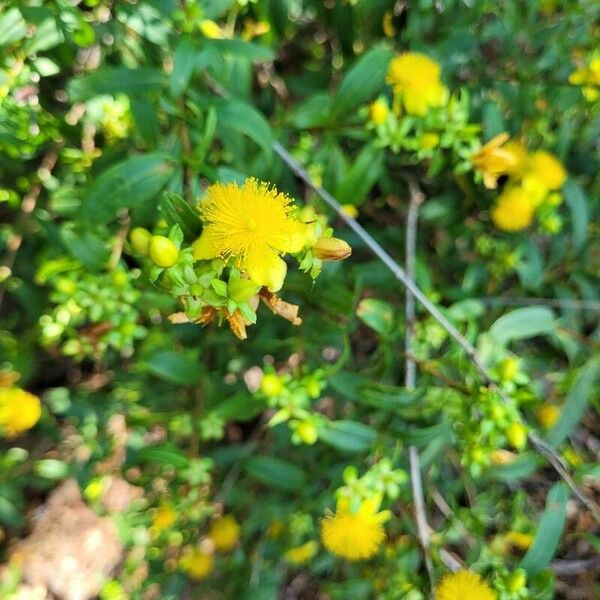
point(210, 29)
point(272, 385)
point(19, 411)
point(254, 225)
point(516, 581)
point(301, 554)
point(197, 563)
point(513, 211)
point(429, 141)
point(508, 368)
point(254, 29)
point(378, 111)
point(350, 210)
point(164, 517)
point(307, 433)
point(354, 535)
point(516, 434)
point(547, 414)
point(502, 457)
point(415, 79)
point(225, 533)
point(546, 169)
point(464, 585)
point(493, 160)
point(519, 540)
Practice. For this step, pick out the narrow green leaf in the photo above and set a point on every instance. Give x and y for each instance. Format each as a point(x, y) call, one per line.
point(181, 369)
point(116, 80)
point(348, 436)
point(145, 120)
point(275, 472)
point(549, 531)
point(361, 177)
point(12, 27)
point(362, 82)
point(376, 314)
point(235, 115)
point(523, 323)
point(177, 211)
point(578, 205)
point(164, 454)
point(577, 400)
point(127, 184)
point(184, 63)
point(241, 48)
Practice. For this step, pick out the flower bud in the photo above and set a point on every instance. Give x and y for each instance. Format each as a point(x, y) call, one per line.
point(516, 581)
point(548, 414)
point(271, 385)
point(307, 432)
point(378, 112)
point(508, 368)
point(330, 248)
point(240, 290)
point(516, 434)
point(163, 251)
point(140, 238)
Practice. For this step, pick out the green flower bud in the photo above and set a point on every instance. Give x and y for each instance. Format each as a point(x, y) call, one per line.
point(272, 385)
point(307, 432)
point(240, 290)
point(516, 581)
point(140, 238)
point(163, 251)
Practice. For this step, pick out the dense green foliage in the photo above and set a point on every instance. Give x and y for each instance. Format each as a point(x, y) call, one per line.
point(116, 116)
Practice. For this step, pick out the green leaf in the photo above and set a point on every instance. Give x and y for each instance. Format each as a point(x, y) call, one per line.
point(577, 401)
point(362, 82)
point(248, 50)
point(127, 184)
point(348, 436)
point(361, 177)
point(421, 436)
point(164, 454)
point(578, 205)
point(549, 531)
point(275, 472)
point(184, 64)
point(522, 466)
point(181, 369)
point(145, 119)
point(116, 80)
point(176, 211)
point(235, 115)
point(12, 27)
point(523, 323)
point(377, 314)
point(86, 247)
point(388, 397)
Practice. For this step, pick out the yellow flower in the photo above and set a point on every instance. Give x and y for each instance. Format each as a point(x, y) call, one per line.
point(544, 171)
point(254, 225)
point(514, 210)
point(387, 24)
point(428, 141)
point(493, 160)
point(415, 79)
point(516, 434)
point(19, 411)
point(225, 533)
point(350, 210)
point(164, 517)
point(354, 535)
point(519, 540)
point(464, 585)
point(197, 563)
point(210, 29)
point(253, 29)
point(301, 554)
point(547, 414)
point(378, 111)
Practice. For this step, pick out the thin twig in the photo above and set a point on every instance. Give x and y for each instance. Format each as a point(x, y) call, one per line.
point(119, 242)
point(27, 207)
point(410, 375)
point(399, 273)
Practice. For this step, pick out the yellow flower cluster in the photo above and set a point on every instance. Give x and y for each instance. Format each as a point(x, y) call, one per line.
point(19, 411)
point(354, 535)
point(532, 178)
point(299, 555)
point(464, 585)
point(415, 81)
point(223, 536)
point(588, 78)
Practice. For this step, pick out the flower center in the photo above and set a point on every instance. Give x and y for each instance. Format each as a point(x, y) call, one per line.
point(252, 224)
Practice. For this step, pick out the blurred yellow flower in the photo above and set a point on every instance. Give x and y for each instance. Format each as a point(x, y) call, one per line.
point(429, 141)
point(354, 535)
point(253, 224)
point(19, 411)
point(516, 434)
point(519, 540)
point(464, 585)
point(493, 160)
point(350, 210)
point(301, 554)
point(254, 29)
point(163, 518)
point(197, 563)
point(513, 211)
point(545, 170)
point(210, 29)
point(378, 111)
point(415, 79)
point(547, 414)
point(275, 529)
point(225, 533)
point(589, 79)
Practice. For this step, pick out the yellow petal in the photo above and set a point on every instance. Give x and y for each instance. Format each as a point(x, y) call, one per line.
point(265, 268)
point(302, 235)
point(203, 248)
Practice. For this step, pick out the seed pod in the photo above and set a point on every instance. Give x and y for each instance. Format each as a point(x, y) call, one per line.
point(140, 238)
